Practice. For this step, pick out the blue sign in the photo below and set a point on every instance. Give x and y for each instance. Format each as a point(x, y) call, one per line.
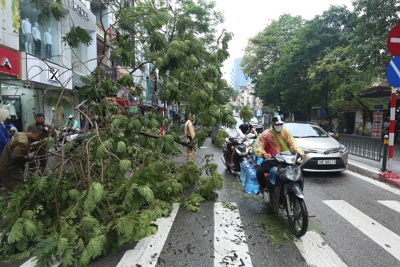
point(378, 107)
point(393, 72)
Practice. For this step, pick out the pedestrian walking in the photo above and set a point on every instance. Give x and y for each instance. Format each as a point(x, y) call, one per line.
point(190, 138)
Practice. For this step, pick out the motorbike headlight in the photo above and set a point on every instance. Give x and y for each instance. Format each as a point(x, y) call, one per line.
point(343, 149)
point(291, 173)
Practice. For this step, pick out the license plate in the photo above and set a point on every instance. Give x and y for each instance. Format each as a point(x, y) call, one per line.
point(326, 161)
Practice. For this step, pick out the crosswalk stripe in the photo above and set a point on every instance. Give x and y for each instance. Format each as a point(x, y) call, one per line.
point(32, 263)
point(394, 205)
point(387, 187)
point(147, 251)
point(387, 239)
point(316, 252)
point(230, 244)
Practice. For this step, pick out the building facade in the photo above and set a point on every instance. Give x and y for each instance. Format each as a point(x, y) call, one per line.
point(238, 80)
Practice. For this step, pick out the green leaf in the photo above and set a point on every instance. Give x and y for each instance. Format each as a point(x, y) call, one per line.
point(125, 165)
point(121, 147)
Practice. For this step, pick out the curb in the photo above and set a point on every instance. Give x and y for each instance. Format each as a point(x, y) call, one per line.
point(390, 178)
point(365, 170)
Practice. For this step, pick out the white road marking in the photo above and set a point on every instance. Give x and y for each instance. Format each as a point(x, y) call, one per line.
point(380, 184)
point(317, 252)
point(32, 263)
point(147, 251)
point(387, 239)
point(394, 205)
point(230, 244)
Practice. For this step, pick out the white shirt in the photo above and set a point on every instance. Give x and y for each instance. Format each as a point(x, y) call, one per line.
point(36, 33)
point(234, 132)
point(26, 26)
point(48, 39)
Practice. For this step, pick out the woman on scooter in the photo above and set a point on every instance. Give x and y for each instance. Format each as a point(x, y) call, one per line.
point(233, 132)
point(272, 141)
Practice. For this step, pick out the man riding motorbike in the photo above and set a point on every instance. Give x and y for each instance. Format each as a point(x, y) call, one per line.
point(233, 132)
point(272, 141)
point(70, 124)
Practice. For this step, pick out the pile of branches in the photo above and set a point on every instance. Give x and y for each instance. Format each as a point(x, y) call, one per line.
point(107, 192)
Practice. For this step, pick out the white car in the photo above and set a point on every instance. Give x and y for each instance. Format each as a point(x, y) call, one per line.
point(323, 152)
point(254, 121)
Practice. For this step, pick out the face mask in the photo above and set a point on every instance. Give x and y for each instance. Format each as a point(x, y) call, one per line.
point(278, 128)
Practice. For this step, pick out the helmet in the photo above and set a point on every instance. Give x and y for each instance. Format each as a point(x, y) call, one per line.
point(70, 116)
point(276, 120)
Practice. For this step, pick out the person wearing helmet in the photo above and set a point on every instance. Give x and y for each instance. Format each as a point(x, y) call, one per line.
point(71, 124)
point(274, 140)
point(233, 132)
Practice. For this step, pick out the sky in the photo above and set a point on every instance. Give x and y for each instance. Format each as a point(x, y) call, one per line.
point(247, 18)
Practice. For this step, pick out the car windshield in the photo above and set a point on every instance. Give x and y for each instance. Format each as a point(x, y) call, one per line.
point(303, 130)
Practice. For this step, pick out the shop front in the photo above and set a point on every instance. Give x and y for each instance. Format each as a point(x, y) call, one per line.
point(47, 80)
point(38, 39)
point(11, 97)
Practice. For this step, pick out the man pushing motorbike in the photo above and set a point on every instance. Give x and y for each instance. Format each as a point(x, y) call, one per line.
point(274, 140)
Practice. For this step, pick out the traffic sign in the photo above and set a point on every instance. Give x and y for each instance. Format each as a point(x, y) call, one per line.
point(393, 40)
point(393, 72)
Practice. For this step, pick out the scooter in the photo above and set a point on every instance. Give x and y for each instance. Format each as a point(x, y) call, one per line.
point(241, 151)
point(288, 180)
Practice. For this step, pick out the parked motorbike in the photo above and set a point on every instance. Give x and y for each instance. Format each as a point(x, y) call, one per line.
point(68, 135)
point(288, 180)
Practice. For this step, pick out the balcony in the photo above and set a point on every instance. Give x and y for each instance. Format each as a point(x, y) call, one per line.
point(100, 34)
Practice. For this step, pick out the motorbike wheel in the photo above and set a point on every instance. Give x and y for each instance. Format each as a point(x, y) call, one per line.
point(298, 221)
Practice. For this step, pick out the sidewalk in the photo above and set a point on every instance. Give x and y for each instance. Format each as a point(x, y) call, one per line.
point(372, 168)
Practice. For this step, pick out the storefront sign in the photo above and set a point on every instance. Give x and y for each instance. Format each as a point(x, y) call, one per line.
point(80, 10)
point(53, 74)
point(377, 124)
point(10, 62)
point(45, 72)
point(81, 16)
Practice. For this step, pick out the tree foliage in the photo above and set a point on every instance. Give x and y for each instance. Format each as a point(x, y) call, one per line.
point(324, 62)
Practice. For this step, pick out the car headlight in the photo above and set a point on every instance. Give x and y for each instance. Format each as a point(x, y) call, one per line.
point(343, 149)
point(305, 150)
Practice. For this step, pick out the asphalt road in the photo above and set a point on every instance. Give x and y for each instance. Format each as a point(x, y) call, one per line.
point(353, 222)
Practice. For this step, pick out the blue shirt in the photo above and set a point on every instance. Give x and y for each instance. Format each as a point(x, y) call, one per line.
point(3, 137)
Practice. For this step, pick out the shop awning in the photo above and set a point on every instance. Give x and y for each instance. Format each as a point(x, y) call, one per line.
point(377, 91)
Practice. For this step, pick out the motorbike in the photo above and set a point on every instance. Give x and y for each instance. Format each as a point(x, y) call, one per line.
point(243, 149)
point(68, 135)
point(288, 182)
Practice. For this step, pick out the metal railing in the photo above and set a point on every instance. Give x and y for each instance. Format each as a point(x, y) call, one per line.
point(362, 146)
